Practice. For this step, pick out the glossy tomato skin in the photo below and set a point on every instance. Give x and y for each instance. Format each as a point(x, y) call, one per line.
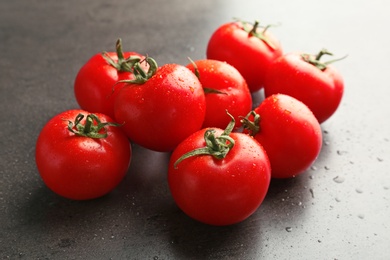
point(96, 85)
point(235, 97)
point(162, 112)
point(321, 91)
point(290, 134)
point(248, 54)
point(220, 192)
point(77, 167)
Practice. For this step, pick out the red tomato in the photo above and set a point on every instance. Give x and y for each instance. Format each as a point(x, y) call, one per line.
point(163, 109)
point(224, 190)
point(247, 47)
point(96, 85)
point(225, 89)
point(320, 88)
point(289, 133)
point(82, 167)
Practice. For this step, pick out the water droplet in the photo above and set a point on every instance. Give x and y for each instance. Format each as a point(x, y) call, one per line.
point(341, 152)
point(339, 179)
point(379, 159)
point(288, 229)
point(338, 199)
point(361, 216)
point(313, 168)
point(312, 192)
point(327, 168)
point(358, 190)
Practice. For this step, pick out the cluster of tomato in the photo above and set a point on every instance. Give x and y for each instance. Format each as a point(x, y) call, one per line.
point(224, 151)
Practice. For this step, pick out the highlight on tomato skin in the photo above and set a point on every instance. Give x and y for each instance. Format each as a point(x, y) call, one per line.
point(219, 186)
point(289, 133)
point(82, 156)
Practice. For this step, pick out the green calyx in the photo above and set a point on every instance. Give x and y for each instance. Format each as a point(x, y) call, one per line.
point(216, 146)
point(89, 129)
point(315, 59)
point(123, 64)
point(252, 30)
point(253, 127)
point(132, 64)
point(141, 76)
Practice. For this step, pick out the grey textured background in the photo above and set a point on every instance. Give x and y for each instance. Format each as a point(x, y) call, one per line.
point(44, 43)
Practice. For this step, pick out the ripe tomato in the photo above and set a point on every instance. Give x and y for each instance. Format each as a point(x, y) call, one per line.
point(247, 47)
point(82, 167)
point(217, 177)
point(289, 133)
point(304, 77)
point(96, 85)
point(225, 89)
point(161, 107)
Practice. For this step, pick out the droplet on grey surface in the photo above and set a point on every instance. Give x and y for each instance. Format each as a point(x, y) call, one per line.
point(339, 179)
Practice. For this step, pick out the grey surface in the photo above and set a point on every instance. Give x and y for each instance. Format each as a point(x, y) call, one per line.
point(44, 43)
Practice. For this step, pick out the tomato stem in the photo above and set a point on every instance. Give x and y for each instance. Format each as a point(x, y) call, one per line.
point(253, 31)
point(92, 127)
point(196, 70)
point(315, 59)
point(142, 76)
point(252, 126)
point(122, 64)
point(218, 147)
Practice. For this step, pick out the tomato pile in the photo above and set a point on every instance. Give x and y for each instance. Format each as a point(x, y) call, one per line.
point(224, 151)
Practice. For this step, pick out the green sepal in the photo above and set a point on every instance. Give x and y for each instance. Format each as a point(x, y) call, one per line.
point(216, 146)
point(89, 129)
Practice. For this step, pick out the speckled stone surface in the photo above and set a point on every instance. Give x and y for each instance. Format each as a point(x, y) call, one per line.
point(337, 209)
